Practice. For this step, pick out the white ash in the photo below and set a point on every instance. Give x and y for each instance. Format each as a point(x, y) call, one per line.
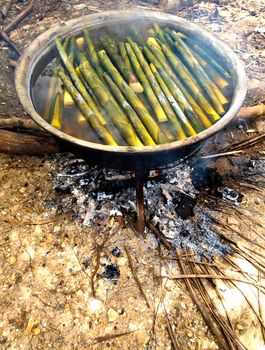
point(96, 194)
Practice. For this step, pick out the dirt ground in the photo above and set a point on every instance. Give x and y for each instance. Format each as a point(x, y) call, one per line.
point(66, 285)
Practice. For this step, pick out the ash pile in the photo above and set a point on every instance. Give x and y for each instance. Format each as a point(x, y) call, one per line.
point(172, 202)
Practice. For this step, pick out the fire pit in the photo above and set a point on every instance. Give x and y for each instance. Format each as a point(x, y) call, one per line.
point(42, 51)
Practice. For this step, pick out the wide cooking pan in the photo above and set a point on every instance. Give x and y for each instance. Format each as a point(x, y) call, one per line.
point(41, 51)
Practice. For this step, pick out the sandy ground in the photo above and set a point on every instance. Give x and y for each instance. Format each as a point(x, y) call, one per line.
point(48, 258)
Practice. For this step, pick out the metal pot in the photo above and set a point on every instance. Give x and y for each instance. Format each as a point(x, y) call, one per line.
point(41, 51)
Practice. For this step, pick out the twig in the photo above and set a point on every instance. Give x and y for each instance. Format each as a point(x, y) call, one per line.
point(208, 264)
point(6, 38)
point(248, 300)
point(48, 221)
point(245, 143)
point(94, 272)
point(260, 308)
point(215, 328)
point(110, 336)
point(191, 276)
point(159, 234)
point(18, 19)
point(223, 154)
point(135, 275)
point(230, 335)
point(206, 270)
point(170, 332)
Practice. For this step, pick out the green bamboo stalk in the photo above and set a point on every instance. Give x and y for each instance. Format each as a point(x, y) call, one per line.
point(188, 105)
point(159, 92)
point(158, 110)
point(91, 92)
point(71, 53)
point(88, 88)
point(56, 117)
point(151, 42)
point(185, 122)
point(124, 55)
point(104, 135)
point(133, 117)
point(205, 55)
point(93, 56)
point(137, 35)
point(211, 72)
point(109, 46)
point(77, 81)
point(184, 74)
point(157, 28)
point(117, 115)
point(214, 94)
point(132, 98)
point(67, 98)
point(208, 58)
point(185, 98)
point(53, 84)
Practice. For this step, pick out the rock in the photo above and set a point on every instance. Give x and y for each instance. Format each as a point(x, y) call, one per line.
point(38, 229)
point(94, 305)
point(57, 229)
point(112, 315)
point(23, 190)
point(12, 260)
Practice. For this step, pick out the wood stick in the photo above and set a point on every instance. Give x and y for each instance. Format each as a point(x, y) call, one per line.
point(17, 143)
point(6, 38)
point(25, 144)
point(13, 122)
point(191, 276)
point(135, 275)
point(215, 328)
point(140, 202)
point(159, 235)
point(18, 19)
point(250, 112)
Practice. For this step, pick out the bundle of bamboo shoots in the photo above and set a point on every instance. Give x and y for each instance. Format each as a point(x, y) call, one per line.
point(148, 89)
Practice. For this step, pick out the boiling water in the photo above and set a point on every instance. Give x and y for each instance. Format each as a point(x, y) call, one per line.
point(73, 123)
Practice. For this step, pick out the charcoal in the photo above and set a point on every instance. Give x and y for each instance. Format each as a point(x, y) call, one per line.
point(116, 252)
point(112, 272)
point(171, 202)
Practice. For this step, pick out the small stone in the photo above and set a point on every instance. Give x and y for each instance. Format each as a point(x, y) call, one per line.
point(183, 305)
point(112, 315)
point(12, 260)
point(116, 252)
point(38, 229)
point(122, 261)
point(23, 190)
point(57, 229)
point(190, 334)
point(257, 200)
point(94, 305)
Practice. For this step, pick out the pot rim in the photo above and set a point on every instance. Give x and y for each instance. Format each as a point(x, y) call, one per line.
point(44, 42)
